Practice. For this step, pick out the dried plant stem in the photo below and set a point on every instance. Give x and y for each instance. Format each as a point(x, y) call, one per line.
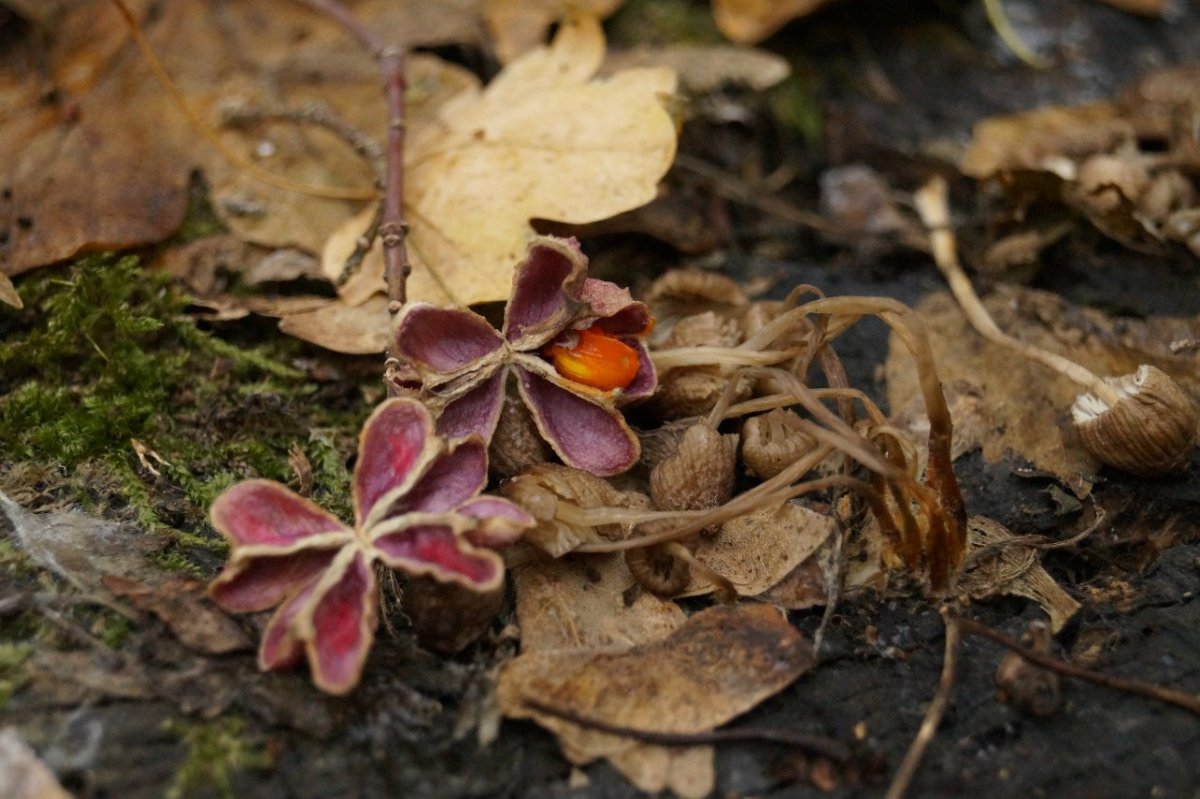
point(680, 357)
point(1180, 699)
point(817, 745)
point(393, 230)
point(211, 138)
point(933, 715)
point(312, 113)
point(932, 204)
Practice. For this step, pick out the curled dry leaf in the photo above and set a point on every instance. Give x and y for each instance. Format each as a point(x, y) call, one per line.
point(1013, 570)
point(543, 140)
point(1044, 140)
point(719, 664)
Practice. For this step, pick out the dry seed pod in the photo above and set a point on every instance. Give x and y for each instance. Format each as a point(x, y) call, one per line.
point(773, 441)
point(549, 493)
point(681, 292)
point(1169, 192)
point(699, 474)
point(693, 392)
point(516, 444)
point(658, 570)
point(704, 330)
point(1150, 431)
point(446, 616)
point(1105, 181)
point(1028, 687)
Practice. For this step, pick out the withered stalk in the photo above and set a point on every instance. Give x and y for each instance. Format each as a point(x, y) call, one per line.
point(933, 715)
point(393, 230)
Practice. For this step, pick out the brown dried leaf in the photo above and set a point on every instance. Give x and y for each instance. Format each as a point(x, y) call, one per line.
point(1013, 570)
point(1043, 140)
point(721, 663)
point(361, 330)
point(751, 21)
point(184, 607)
point(8, 293)
point(586, 603)
point(108, 165)
point(757, 551)
point(1021, 408)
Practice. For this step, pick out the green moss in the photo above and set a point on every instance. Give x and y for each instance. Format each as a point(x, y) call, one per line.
point(664, 22)
point(113, 629)
point(795, 104)
point(216, 752)
point(103, 354)
point(12, 668)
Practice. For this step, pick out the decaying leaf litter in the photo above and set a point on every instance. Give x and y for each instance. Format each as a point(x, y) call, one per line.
point(1130, 532)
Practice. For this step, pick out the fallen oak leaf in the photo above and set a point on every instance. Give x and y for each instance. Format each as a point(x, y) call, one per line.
point(518, 26)
point(751, 21)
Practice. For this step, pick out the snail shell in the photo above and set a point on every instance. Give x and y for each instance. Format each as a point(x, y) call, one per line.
point(1150, 432)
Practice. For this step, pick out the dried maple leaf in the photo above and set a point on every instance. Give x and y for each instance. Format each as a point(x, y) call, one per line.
point(106, 163)
point(544, 140)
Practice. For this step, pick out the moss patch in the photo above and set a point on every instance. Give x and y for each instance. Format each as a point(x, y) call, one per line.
point(216, 752)
point(103, 355)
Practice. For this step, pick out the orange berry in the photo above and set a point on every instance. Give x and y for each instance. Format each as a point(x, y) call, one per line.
point(599, 360)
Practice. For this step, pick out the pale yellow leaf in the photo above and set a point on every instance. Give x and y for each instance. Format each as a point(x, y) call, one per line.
point(543, 141)
point(8, 292)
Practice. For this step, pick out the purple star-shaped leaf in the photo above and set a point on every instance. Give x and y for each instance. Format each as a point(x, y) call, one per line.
point(417, 509)
point(462, 363)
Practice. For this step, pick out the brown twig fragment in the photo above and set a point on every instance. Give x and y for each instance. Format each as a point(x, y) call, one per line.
point(815, 744)
point(1180, 699)
point(933, 716)
point(393, 230)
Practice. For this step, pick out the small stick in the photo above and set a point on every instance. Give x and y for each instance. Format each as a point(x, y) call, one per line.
point(816, 744)
point(933, 716)
point(1180, 699)
point(312, 113)
point(393, 230)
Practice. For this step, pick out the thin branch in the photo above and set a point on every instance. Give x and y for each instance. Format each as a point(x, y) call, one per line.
point(815, 744)
point(393, 230)
point(1180, 699)
point(933, 716)
point(312, 113)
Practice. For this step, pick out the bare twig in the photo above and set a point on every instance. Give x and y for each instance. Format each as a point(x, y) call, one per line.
point(312, 113)
point(1180, 699)
point(933, 716)
point(815, 744)
point(393, 230)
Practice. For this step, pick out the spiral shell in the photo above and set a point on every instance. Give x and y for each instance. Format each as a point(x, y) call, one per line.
point(1150, 432)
